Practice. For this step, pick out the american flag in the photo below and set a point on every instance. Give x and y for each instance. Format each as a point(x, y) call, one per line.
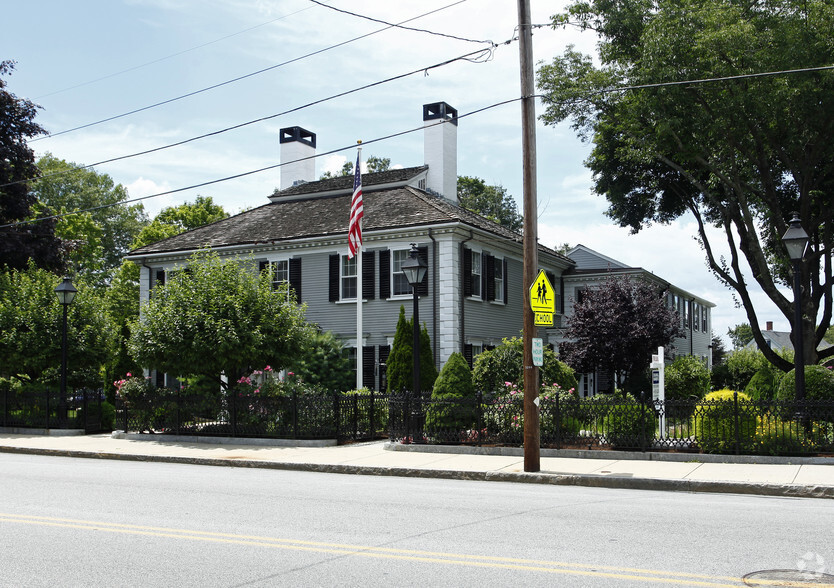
point(356, 212)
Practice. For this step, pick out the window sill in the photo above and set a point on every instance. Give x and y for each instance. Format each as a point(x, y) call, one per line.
point(350, 301)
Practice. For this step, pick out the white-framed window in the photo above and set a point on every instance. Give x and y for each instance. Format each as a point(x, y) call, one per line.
point(347, 278)
point(476, 274)
point(498, 279)
point(696, 316)
point(399, 283)
point(704, 319)
point(279, 272)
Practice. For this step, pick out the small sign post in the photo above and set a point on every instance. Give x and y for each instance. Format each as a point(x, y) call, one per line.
point(658, 392)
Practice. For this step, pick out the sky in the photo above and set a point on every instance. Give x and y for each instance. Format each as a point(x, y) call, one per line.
point(92, 60)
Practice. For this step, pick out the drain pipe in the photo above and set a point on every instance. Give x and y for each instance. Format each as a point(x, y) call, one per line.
point(434, 302)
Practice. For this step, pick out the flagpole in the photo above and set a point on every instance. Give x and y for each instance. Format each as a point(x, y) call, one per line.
point(359, 347)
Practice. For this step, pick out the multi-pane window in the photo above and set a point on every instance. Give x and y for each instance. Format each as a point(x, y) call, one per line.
point(704, 322)
point(476, 274)
point(279, 272)
point(399, 283)
point(696, 316)
point(498, 278)
point(347, 278)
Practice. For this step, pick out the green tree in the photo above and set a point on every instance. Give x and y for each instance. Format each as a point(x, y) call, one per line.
point(719, 352)
point(495, 367)
point(374, 163)
point(617, 326)
point(400, 366)
point(453, 409)
point(324, 363)
point(215, 317)
point(100, 237)
point(492, 202)
point(122, 296)
point(35, 241)
point(685, 378)
point(740, 335)
point(739, 154)
point(31, 320)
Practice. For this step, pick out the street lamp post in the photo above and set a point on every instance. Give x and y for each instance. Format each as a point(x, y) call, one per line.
point(796, 242)
point(414, 269)
point(66, 294)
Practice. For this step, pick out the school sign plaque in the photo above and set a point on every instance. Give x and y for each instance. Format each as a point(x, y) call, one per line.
point(543, 300)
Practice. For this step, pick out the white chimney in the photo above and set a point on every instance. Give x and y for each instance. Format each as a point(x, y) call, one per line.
point(297, 144)
point(440, 145)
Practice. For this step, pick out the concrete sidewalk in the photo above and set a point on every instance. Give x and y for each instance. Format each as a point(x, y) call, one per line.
point(798, 477)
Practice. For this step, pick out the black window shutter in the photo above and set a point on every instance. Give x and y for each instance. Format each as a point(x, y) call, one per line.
point(483, 275)
point(384, 351)
point(551, 277)
point(368, 285)
point(262, 265)
point(467, 353)
point(506, 282)
point(489, 273)
point(467, 272)
point(160, 277)
point(423, 286)
point(334, 277)
point(384, 274)
point(368, 362)
point(295, 277)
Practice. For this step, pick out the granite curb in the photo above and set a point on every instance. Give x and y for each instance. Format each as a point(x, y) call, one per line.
point(556, 479)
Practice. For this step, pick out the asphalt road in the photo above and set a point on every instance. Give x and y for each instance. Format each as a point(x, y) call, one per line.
point(83, 522)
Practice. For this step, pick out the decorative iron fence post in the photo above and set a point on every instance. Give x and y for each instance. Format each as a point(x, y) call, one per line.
point(355, 407)
point(735, 422)
point(179, 405)
point(643, 423)
point(46, 393)
point(480, 400)
point(295, 414)
point(371, 423)
point(337, 421)
point(407, 418)
point(558, 416)
point(124, 412)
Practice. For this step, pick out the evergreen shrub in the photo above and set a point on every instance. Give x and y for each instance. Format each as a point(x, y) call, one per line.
point(453, 409)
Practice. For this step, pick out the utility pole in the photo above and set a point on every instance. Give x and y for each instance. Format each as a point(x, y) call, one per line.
point(532, 461)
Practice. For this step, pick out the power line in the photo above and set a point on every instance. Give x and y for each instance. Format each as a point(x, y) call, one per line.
point(478, 56)
point(398, 26)
point(171, 56)
point(251, 172)
point(376, 140)
point(243, 77)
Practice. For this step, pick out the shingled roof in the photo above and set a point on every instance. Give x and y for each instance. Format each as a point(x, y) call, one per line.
point(345, 183)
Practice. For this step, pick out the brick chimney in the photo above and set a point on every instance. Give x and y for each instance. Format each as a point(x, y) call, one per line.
point(297, 144)
point(769, 326)
point(440, 149)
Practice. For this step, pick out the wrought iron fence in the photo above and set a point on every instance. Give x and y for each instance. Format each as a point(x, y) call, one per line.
point(236, 414)
point(35, 407)
point(609, 422)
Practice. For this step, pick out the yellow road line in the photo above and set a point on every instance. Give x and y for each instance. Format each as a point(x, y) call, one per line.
point(484, 561)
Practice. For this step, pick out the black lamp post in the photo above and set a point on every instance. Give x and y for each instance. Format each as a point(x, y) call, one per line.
point(414, 269)
point(796, 242)
point(66, 294)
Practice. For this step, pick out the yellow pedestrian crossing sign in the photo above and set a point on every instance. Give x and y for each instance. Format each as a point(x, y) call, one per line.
point(542, 296)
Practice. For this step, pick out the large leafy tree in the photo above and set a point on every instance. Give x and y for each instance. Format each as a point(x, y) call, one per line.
point(123, 294)
point(493, 202)
point(21, 242)
point(617, 326)
point(31, 320)
point(739, 153)
point(740, 335)
point(218, 317)
point(102, 234)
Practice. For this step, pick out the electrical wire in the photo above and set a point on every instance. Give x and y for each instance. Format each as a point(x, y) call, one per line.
point(171, 56)
point(478, 56)
point(239, 78)
point(401, 27)
point(250, 172)
point(376, 140)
